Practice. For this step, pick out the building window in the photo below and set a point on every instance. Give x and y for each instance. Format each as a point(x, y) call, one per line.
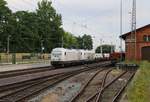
point(149, 38)
point(145, 38)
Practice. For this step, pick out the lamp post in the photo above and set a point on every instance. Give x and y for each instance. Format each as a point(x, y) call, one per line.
point(42, 47)
point(101, 43)
point(8, 43)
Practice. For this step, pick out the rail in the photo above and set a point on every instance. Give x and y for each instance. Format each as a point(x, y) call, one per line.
point(22, 90)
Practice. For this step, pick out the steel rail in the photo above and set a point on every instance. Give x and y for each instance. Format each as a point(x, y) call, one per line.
point(86, 84)
point(13, 85)
point(23, 72)
point(34, 82)
point(52, 84)
point(11, 97)
point(48, 86)
point(117, 95)
point(107, 85)
point(6, 92)
point(102, 86)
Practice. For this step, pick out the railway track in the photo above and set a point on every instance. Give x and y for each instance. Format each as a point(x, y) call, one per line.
point(7, 74)
point(84, 91)
point(110, 91)
point(24, 71)
point(19, 91)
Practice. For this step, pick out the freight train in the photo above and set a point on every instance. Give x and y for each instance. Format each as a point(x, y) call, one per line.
point(117, 57)
point(66, 57)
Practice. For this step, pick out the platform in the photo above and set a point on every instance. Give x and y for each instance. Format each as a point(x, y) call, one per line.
point(127, 65)
point(4, 68)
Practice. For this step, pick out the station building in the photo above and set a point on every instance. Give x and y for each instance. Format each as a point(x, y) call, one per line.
point(138, 49)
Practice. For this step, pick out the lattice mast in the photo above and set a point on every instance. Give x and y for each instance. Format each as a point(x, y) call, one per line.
point(133, 25)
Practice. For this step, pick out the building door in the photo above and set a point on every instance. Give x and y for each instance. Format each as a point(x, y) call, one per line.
point(146, 53)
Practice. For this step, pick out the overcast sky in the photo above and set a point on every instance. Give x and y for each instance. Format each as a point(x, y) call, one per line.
point(99, 18)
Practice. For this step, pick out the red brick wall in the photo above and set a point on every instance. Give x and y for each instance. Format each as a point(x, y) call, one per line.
point(141, 33)
point(139, 49)
point(130, 51)
point(130, 47)
point(140, 41)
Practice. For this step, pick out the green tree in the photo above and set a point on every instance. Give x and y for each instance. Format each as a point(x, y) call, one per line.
point(49, 25)
point(26, 33)
point(70, 41)
point(85, 42)
point(30, 31)
point(5, 26)
point(105, 49)
point(80, 42)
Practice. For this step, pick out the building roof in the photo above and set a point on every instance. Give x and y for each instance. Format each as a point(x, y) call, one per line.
point(126, 34)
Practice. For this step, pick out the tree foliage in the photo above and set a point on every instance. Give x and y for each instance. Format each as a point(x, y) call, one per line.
point(105, 49)
point(85, 42)
point(69, 41)
point(5, 25)
point(49, 25)
point(33, 31)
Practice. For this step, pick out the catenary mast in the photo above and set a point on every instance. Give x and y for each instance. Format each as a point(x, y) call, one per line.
point(133, 27)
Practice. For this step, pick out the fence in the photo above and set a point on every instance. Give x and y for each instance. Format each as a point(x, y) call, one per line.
point(20, 58)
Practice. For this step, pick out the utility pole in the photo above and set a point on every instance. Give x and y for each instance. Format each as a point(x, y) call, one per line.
point(133, 26)
point(101, 43)
point(121, 9)
point(111, 47)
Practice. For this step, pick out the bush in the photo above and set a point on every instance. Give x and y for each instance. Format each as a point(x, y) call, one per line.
point(139, 91)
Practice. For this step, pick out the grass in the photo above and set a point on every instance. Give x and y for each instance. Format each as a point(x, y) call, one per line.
point(139, 90)
point(132, 62)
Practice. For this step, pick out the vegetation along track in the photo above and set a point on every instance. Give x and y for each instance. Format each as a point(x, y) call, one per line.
point(111, 90)
point(25, 90)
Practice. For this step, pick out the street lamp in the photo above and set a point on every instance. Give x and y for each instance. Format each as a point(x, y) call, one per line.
point(42, 47)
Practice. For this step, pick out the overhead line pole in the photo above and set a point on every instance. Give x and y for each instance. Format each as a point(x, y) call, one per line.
point(133, 27)
point(121, 9)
